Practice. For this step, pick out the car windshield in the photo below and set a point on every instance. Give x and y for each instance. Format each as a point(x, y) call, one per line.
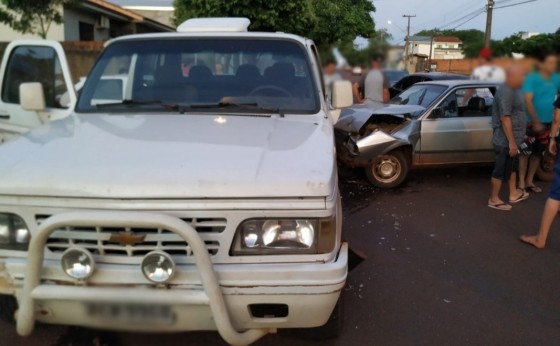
point(419, 95)
point(241, 75)
point(395, 75)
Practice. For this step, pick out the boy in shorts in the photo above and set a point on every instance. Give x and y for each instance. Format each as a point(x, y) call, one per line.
point(553, 202)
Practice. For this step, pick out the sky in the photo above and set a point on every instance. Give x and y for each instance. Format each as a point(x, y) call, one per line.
point(539, 16)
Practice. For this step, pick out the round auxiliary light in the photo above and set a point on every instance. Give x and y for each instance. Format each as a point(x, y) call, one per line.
point(158, 267)
point(77, 263)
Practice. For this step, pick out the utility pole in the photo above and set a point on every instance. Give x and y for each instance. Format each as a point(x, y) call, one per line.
point(408, 16)
point(488, 35)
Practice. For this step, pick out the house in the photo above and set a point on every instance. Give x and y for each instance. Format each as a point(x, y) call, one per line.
point(93, 20)
point(437, 47)
point(447, 47)
point(160, 10)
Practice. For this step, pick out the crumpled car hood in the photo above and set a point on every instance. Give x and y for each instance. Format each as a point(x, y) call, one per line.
point(352, 119)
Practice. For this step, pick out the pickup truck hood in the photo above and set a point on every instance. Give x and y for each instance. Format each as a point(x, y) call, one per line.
point(352, 119)
point(172, 156)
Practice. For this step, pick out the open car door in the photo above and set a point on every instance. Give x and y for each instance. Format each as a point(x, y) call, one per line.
point(33, 61)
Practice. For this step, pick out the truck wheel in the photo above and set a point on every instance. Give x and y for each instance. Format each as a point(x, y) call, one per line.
point(330, 330)
point(388, 171)
point(545, 171)
point(8, 307)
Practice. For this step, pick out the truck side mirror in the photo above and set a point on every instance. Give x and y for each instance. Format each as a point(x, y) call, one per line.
point(342, 94)
point(32, 97)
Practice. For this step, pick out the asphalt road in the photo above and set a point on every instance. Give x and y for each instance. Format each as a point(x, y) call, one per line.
point(442, 269)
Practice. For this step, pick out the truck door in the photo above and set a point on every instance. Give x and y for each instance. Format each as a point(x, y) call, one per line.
point(33, 61)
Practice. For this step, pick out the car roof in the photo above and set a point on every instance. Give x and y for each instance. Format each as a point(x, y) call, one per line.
point(461, 82)
point(439, 75)
point(214, 34)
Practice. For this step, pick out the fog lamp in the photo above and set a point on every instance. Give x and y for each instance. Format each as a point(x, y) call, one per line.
point(158, 267)
point(14, 234)
point(77, 263)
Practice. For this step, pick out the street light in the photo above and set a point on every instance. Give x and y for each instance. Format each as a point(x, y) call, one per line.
point(390, 22)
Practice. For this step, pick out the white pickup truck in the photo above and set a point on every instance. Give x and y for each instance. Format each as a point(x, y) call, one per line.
point(206, 198)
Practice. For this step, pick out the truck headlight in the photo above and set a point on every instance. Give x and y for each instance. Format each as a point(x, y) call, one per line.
point(77, 263)
point(285, 236)
point(14, 234)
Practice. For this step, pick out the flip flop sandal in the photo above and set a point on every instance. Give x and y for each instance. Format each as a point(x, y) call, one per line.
point(500, 206)
point(523, 197)
point(534, 189)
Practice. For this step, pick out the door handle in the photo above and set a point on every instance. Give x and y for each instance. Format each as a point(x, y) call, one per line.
point(4, 116)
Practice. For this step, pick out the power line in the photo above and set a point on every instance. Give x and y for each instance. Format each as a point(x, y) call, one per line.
point(470, 19)
point(519, 3)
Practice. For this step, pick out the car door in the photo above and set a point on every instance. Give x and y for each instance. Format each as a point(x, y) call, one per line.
point(458, 131)
point(33, 61)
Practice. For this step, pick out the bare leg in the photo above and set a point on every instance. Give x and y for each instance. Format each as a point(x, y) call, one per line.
point(534, 162)
point(514, 193)
point(495, 192)
point(523, 163)
point(550, 212)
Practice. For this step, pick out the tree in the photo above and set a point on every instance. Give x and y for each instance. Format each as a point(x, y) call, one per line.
point(325, 21)
point(342, 21)
point(32, 16)
point(294, 16)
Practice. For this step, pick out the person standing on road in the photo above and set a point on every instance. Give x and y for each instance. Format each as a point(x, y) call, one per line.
point(375, 85)
point(330, 75)
point(541, 89)
point(509, 123)
point(485, 72)
point(553, 202)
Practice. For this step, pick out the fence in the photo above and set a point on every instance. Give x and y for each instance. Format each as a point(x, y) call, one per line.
point(466, 66)
point(81, 56)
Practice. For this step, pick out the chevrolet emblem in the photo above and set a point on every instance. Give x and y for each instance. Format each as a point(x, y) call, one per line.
point(127, 238)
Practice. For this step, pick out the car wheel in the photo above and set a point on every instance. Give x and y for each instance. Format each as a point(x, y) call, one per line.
point(388, 171)
point(8, 307)
point(545, 171)
point(330, 330)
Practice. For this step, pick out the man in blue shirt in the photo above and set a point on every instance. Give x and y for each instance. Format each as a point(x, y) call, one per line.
point(541, 89)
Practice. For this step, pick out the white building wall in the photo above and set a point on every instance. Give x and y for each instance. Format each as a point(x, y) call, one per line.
point(72, 19)
point(56, 32)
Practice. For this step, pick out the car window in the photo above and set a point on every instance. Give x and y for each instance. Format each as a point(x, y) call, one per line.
point(466, 102)
point(35, 64)
point(419, 95)
point(198, 73)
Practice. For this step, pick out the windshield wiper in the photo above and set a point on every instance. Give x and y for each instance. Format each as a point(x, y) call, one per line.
point(249, 105)
point(134, 103)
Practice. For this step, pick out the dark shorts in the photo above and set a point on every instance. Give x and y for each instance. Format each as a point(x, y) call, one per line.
point(555, 187)
point(539, 141)
point(505, 165)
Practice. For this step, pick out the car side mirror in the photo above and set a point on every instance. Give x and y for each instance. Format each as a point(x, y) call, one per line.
point(437, 113)
point(342, 94)
point(32, 97)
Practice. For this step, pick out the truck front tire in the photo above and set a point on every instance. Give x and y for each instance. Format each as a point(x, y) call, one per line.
point(8, 308)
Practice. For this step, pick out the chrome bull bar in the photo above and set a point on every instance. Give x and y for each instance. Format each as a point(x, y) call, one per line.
point(26, 313)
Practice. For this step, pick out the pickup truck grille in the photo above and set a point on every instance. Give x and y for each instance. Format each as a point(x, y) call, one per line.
point(128, 242)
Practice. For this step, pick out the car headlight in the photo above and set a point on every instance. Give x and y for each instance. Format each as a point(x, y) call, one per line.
point(158, 267)
point(14, 234)
point(285, 236)
point(77, 263)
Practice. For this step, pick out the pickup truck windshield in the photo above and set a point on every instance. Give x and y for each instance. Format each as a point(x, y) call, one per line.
point(201, 75)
